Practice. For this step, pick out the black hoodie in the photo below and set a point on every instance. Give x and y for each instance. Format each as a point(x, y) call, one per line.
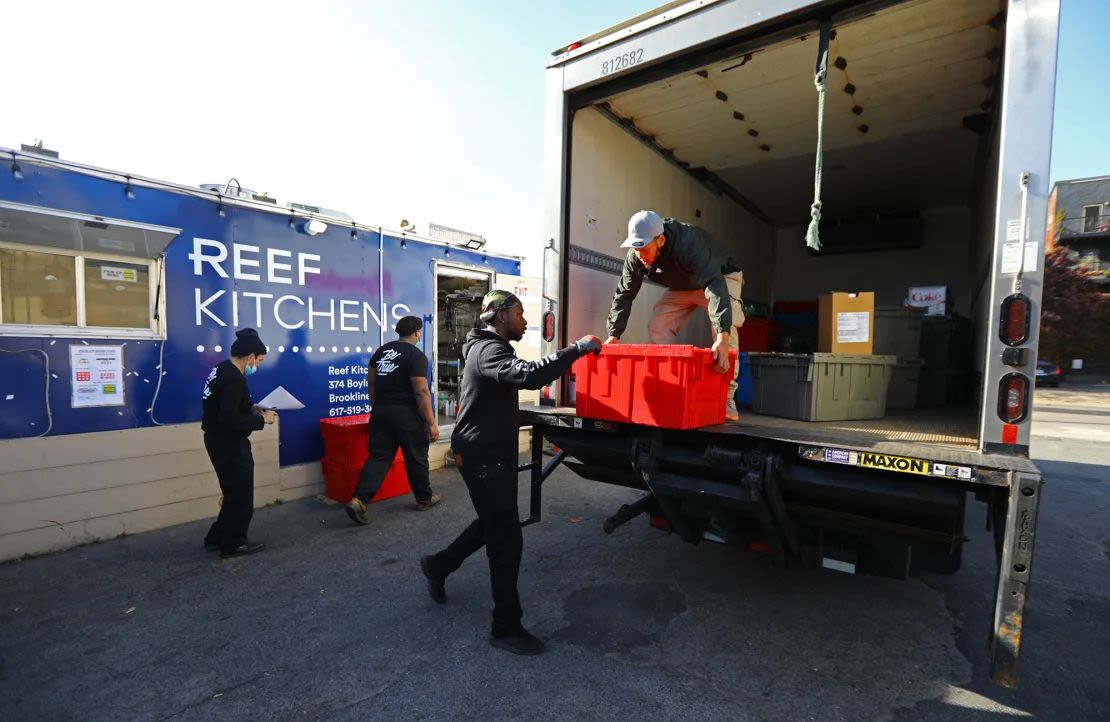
point(489, 412)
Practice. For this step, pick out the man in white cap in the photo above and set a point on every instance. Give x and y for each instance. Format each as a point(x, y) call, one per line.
point(699, 273)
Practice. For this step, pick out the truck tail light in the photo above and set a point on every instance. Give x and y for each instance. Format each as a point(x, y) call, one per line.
point(1016, 313)
point(549, 326)
point(1013, 398)
point(658, 522)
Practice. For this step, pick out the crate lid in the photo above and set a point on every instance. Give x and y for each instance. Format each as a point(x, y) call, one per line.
point(346, 420)
point(643, 350)
point(791, 359)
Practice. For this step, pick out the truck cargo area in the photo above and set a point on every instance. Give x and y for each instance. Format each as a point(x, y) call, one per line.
point(725, 138)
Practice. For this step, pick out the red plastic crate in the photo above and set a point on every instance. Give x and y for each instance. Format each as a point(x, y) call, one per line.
point(346, 440)
point(759, 334)
point(671, 387)
point(340, 482)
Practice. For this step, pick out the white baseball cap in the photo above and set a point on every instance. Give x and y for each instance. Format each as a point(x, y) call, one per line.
point(643, 227)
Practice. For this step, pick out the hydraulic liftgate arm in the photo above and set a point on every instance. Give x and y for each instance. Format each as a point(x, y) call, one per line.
point(538, 474)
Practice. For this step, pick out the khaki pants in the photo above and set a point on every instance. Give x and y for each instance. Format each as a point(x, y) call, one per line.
point(674, 309)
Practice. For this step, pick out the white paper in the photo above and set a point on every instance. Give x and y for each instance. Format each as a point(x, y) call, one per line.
point(280, 400)
point(1013, 229)
point(1011, 257)
point(96, 376)
point(853, 327)
point(1031, 256)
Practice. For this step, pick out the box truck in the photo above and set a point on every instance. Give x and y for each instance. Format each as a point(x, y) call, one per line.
point(915, 136)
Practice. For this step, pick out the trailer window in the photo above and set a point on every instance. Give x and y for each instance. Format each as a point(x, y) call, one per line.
point(117, 295)
point(79, 294)
point(37, 289)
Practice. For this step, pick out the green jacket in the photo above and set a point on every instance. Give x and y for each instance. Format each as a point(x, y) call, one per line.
point(691, 259)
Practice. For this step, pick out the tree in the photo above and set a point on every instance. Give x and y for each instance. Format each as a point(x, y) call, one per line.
point(1074, 314)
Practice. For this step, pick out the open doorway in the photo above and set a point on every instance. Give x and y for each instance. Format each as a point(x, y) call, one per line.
point(459, 292)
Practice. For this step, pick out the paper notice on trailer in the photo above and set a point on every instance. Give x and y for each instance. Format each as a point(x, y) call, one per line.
point(96, 376)
point(853, 327)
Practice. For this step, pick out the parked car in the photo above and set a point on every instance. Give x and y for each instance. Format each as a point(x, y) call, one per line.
point(1048, 373)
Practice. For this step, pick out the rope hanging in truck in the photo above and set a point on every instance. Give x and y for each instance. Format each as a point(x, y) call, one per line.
point(813, 239)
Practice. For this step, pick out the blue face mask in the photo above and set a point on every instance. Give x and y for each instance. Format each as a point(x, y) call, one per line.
point(249, 370)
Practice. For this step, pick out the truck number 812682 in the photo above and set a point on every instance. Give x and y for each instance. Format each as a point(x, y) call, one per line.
point(620, 62)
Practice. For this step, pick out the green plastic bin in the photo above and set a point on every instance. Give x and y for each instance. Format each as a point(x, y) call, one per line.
point(821, 386)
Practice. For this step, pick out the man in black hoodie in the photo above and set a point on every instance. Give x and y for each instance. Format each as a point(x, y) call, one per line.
point(485, 447)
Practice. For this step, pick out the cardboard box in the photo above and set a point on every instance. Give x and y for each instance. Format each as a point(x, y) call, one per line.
point(846, 323)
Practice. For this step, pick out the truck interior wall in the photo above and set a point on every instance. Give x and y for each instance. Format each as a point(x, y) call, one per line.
point(942, 260)
point(613, 175)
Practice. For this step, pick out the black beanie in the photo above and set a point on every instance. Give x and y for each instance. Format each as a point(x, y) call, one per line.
point(246, 343)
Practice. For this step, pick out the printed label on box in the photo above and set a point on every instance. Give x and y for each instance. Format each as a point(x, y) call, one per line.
point(853, 327)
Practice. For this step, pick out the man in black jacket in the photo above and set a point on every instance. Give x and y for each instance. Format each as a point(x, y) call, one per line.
point(229, 418)
point(485, 446)
point(698, 271)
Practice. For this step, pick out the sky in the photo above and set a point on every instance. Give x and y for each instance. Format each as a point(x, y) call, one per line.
point(425, 111)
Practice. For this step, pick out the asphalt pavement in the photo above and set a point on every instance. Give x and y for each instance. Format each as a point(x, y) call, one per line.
point(333, 621)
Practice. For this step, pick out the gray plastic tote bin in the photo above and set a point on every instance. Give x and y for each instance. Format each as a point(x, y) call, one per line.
point(821, 386)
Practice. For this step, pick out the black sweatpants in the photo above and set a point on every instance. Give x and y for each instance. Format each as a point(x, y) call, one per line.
point(393, 427)
point(493, 491)
point(234, 465)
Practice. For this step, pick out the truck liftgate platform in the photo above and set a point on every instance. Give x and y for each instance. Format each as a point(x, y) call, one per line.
point(880, 505)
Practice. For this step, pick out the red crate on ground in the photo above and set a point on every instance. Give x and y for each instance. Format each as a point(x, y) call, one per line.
point(346, 449)
point(346, 440)
point(672, 387)
point(759, 334)
point(340, 482)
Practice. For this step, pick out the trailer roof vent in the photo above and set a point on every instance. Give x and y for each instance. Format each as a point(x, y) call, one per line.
point(319, 211)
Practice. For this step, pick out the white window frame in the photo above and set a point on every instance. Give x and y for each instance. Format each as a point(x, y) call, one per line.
point(156, 311)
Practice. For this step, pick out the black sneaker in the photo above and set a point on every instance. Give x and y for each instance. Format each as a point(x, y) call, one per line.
point(242, 550)
point(519, 642)
point(356, 509)
point(436, 586)
point(429, 502)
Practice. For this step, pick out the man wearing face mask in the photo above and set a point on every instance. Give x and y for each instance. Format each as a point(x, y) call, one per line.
point(698, 271)
point(485, 446)
point(229, 418)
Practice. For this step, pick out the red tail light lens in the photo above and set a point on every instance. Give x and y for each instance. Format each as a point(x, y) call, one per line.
point(1013, 398)
point(1016, 313)
point(658, 522)
point(549, 326)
